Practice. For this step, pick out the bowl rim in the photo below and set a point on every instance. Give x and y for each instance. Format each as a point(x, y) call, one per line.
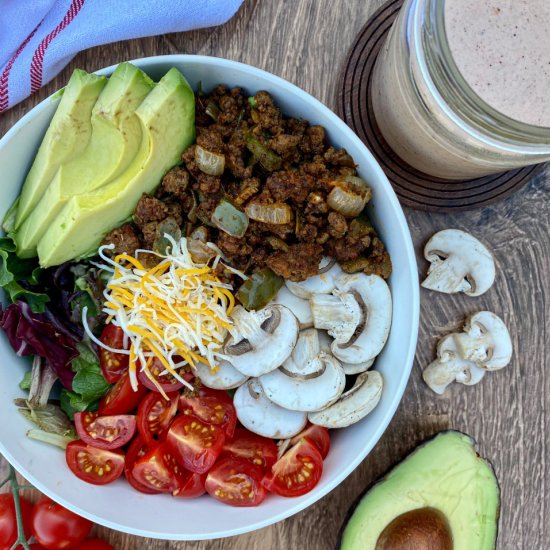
point(339, 127)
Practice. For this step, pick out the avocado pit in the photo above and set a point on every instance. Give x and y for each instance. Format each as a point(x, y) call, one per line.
point(420, 529)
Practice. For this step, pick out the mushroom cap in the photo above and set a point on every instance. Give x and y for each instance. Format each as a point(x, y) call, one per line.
point(304, 360)
point(350, 369)
point(298, 306)
point(307, 393)
point(353, 405)
point(323, 283)
point(450, 367)
point(372, 334)
point(486, 341)
point(226, 377)
point(459, 263)
point(264, 339)
point(263, 417)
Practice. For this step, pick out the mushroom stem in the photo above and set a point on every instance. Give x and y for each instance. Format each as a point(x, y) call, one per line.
point(447, 276)
point(442, 372)
point(339, 313)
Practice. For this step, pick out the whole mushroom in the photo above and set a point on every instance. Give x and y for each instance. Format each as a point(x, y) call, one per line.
point(459, 263)
point(485, 345)
point(357, 315)
point(261, 340)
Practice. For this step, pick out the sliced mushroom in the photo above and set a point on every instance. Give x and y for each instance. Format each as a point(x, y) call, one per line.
point(263, 417)
point(226, 377)
point(353, 405)
point(298, 306)
point(486, 341)
point(459, 263)
point(485, 345)
point(323, 283)
point(261, 340)
point(304, 360)
point(373, 298)
point(450, 367)
point(309, 392)
point(350, 369)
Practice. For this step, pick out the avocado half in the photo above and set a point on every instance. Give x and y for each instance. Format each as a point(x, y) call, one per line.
point(443, 496)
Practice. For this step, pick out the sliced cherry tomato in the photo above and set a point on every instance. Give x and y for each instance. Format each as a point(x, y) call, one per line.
point(154, 416)
point(57, 528)
point(212, 406)
point(193, 487)
point(318, 435)
point(121, 398)
point(113, 365)
point(296, 472)
point(105, 432)
point(195, 443)
point(160, 470)
point(94, 544)
point(8, 520)
point(166, 381)
point(236, 481)
point(137, 449)
point(261, 451)
point(93, 465)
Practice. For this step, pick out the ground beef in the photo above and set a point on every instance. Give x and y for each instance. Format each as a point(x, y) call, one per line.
point(233, 246)
point(209, 185)
point(149, 209)
point(339, 157)
point(290, 185)
point(299, 262)
point(337, 224)
point(210, 139)
point(175, 211)
point(269, 117)
point(149, 232)
point(175, 182)
point(314, 142)
point(124, 238)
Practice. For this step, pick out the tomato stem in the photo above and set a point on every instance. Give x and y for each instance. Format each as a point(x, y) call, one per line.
point(15, 488)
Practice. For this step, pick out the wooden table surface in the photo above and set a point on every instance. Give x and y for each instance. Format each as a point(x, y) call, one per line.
point(305, 42)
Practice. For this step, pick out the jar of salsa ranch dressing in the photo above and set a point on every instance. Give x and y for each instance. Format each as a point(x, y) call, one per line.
point(461, 88)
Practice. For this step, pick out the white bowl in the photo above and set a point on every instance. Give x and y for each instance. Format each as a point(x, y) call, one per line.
point(161, 516)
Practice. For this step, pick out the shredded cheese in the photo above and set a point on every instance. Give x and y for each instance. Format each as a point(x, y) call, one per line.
point(177, 312)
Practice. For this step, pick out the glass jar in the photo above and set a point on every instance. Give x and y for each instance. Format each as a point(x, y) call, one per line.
point(429, 114)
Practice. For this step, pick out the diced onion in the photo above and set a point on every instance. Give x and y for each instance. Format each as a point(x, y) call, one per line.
point(208, 162)
point(349, 196)
point(277, 213)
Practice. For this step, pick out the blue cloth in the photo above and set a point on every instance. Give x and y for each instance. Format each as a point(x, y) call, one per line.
point(39, 37)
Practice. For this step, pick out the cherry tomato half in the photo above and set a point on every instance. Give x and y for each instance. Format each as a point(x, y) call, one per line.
point(137, 449)
point(318, 435)
point(113, 365)
point(105, 432)
point(193, 487)
point(236, 481)
point(93, 465)
point(121, 398)
point(166, 381)
point(296, 472)
point(159, 470)
point(261, 451)
point(94, 544)
point(57, 528)
point(213, 407)
point(154, 416)
point(195, 443)
point(8, 520)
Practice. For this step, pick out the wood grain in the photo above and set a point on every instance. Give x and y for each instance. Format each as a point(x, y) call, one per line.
point(306, 41)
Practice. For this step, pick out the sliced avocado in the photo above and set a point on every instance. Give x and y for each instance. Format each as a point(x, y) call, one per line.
point(115, 141)
point(66, 137)
point(167, 117)
point(442, 496)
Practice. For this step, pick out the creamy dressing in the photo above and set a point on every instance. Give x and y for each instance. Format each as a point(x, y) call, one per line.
point(502, 49)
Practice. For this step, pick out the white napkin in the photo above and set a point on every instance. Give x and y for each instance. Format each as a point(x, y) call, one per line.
point(39, 37)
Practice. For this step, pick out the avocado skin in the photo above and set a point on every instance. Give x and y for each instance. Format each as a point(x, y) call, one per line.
point(167, 117)
point(114, 142)
point(67, 136)
point(355, 525)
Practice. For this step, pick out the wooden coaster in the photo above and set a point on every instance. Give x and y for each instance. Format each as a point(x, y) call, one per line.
point(414, 188)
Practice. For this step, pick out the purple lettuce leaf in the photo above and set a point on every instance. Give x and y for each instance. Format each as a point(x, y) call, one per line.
point(40, 334)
